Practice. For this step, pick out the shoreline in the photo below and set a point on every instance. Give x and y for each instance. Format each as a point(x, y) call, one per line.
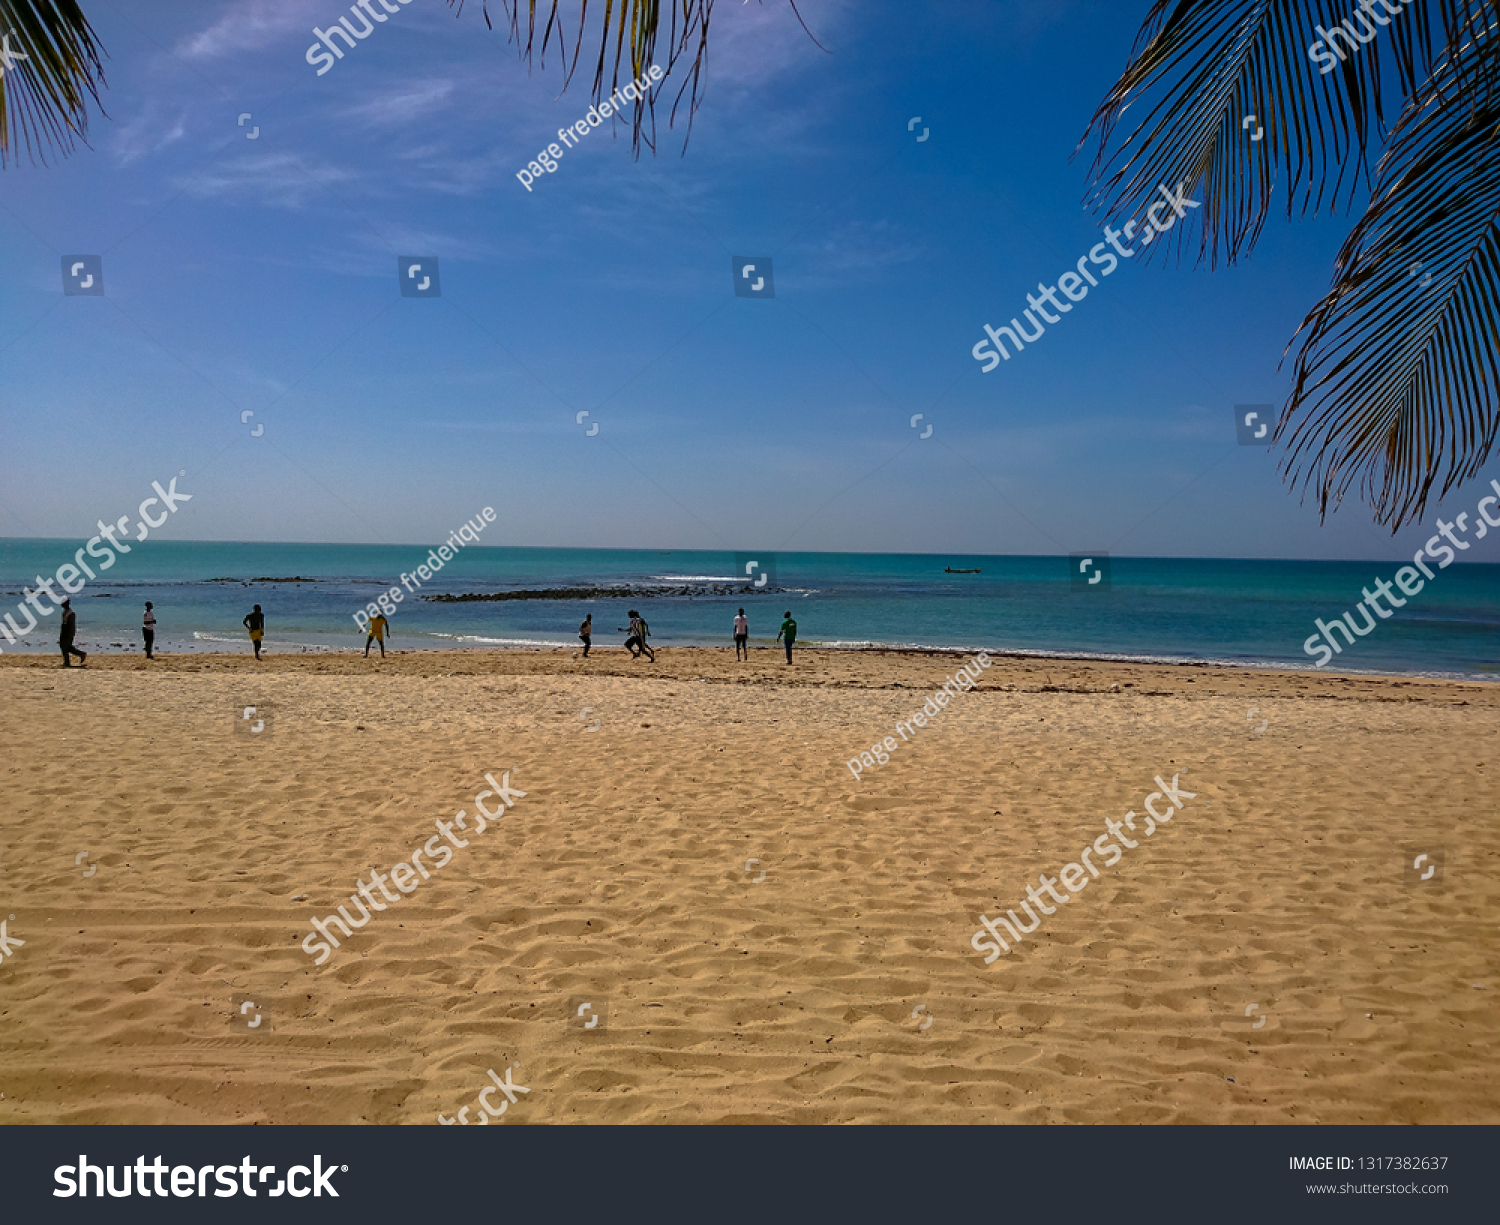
point(815, 666)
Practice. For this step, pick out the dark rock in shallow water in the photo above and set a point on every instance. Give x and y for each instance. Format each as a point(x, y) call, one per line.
point(606, 593)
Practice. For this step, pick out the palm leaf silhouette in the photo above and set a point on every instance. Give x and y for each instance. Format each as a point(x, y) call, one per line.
point(1397, 378)
point(53, 69)
point(1383, 396)
point(632, 26)
point(1204, 66)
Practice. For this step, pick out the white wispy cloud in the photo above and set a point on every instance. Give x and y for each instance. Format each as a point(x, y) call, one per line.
point(150, 130)
point(400, 106)
point(271, 179)
point(250, 25)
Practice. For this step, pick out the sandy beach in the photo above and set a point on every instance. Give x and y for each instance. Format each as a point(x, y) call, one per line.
point(1268, 957)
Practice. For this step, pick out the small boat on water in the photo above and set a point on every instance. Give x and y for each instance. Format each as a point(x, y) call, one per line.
point(951, 570)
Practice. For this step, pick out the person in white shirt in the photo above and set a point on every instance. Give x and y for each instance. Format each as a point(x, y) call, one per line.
point(741, 636)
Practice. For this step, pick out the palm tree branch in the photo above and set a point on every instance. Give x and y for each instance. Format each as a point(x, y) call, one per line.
point(628, 31)
point(1397, 381)
point(56, 66)
point(1202, 67)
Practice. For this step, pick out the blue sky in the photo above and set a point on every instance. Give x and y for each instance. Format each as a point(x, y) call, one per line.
point(261, 275)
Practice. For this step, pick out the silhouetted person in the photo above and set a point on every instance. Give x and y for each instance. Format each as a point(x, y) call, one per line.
point(741, 636)
point(586, 633)
point(148, 630)
point(65, 634)
point(255, 622)
point(378, 629)
point(788, 632)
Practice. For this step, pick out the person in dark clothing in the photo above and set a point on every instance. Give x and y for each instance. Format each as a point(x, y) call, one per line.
point(148, 630)
point(255, 622)
point(586, 633)
point(789, 633)
point(68, 628)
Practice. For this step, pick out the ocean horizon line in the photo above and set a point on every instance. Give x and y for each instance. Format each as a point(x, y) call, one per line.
point(584, 548)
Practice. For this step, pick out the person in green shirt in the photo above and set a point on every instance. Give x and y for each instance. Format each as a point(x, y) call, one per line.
point(789, 633)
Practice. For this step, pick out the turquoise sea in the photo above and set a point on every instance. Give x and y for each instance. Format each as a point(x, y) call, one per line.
point(1230, 611)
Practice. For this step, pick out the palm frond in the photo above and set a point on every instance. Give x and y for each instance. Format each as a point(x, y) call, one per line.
point(629, 32)
point(1201, 68)
point(53, 68)
point(1397, 380)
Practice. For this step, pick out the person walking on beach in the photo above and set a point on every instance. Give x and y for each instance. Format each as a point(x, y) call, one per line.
point(586, 633)
point(66, 631)
point(377, 630)
point(789, 633)
point(741, 635)
point(148, 630)
point(255, 622)
point(639, 632)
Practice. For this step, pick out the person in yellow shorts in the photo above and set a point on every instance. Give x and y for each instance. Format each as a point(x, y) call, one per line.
point(378, 629)
point(255, 622)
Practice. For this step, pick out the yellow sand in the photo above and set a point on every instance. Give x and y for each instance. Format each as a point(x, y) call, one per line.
point(621, 880)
